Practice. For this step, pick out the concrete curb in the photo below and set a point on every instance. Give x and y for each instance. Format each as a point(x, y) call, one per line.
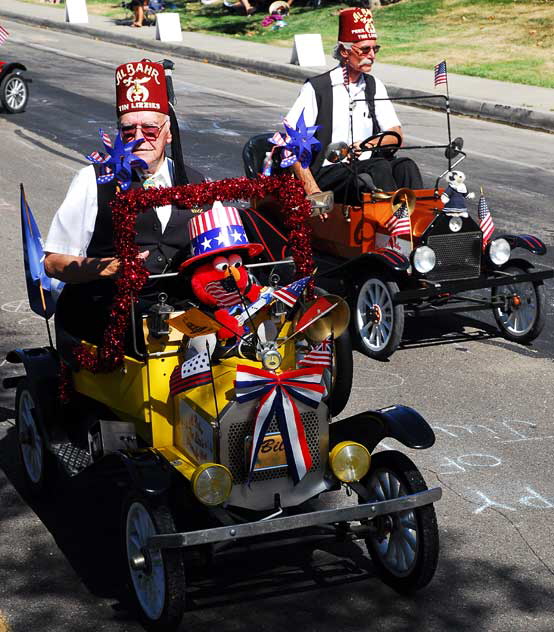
point(487, 110)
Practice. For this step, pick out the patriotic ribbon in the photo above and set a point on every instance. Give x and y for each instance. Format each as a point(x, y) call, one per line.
point(277, 394)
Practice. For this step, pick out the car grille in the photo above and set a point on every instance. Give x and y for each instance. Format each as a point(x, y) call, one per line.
point(237, 459)
point(458, 256)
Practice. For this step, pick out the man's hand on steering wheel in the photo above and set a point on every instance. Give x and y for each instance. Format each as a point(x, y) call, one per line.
point(377, 142)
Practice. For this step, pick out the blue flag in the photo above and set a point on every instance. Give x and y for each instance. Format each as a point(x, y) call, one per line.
point(41, 289)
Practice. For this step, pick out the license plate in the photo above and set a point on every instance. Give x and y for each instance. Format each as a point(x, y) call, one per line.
point(271, 454)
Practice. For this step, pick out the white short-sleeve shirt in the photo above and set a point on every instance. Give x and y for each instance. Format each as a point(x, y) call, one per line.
point(72, 227)
point(362, 125)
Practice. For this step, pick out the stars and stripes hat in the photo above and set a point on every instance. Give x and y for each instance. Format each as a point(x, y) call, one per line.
point(217, 231)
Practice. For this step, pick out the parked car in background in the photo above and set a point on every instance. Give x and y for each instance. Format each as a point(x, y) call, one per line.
point(14, 87)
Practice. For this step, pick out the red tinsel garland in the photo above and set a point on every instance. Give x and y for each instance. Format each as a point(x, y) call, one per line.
point(125, 208)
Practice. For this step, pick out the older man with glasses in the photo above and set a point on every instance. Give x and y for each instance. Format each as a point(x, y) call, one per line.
point(350, 104)
point(80, 248)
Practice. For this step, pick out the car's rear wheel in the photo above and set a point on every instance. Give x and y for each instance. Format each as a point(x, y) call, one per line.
point(521, 307)
point(378, 324)
point(157, 577)
point(405, 546)
point(39, 466)
point(14, 93)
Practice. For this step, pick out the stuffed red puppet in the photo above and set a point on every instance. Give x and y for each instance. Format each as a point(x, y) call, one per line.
point(219, 279)
point(217, 284)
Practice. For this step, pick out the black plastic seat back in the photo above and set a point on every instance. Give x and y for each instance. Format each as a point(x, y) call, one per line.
point(253, 154)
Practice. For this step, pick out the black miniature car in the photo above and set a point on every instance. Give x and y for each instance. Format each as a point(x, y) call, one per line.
point(430, 269)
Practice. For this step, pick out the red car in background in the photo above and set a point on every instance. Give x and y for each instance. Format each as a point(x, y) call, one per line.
point(14, 88)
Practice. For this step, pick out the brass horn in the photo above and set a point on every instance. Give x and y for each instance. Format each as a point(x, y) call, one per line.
point(396, 198)
point(403, 196)
point(326, 315)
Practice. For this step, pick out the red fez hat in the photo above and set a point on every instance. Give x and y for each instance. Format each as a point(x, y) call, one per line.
point(355, 25)
point(140, 86)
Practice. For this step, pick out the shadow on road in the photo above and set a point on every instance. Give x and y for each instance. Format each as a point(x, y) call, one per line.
point(294, 585)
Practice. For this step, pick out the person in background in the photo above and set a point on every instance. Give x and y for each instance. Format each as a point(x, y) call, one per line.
point(138, 7)
point(350, 104)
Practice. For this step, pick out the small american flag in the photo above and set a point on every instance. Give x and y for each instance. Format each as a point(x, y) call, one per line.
point(3, 35)
point(320, 355)
point(399, 223)
point(193, 372)
point(440, 73)
point(290, 293)
point(106, 138)
point(485, 220)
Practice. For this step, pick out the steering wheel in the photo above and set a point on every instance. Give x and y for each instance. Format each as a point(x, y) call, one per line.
point(392, 149)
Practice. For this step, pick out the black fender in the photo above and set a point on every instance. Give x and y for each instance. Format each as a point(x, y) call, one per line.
point(528, 242)
point(402, 423)
point(382, 259)
point(40, 363)
point(14, 67)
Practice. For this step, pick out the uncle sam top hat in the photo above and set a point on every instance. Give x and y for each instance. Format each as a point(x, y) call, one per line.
point(217, 231)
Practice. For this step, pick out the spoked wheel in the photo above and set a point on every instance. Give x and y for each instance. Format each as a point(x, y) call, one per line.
point(157, 578)
point(378, 324)
point(405, 547)
point(521, 312)
point(14, 93)
point(38, 463)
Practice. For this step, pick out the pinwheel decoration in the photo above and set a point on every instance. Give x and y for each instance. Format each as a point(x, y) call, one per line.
point(119, 161)
point(298, 143)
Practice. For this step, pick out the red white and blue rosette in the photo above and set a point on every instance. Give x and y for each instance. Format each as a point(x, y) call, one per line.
point(277, 395)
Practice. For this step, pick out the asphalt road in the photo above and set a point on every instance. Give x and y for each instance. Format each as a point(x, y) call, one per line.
point(489, 401)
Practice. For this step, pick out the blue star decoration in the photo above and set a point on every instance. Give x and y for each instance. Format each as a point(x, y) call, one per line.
point(119, 161)
point(301, 141)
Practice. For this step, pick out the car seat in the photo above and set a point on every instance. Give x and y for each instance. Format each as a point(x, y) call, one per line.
point(254, 152)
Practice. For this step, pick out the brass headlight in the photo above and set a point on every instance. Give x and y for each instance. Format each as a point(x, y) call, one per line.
point(212, 483)
point(349, 461)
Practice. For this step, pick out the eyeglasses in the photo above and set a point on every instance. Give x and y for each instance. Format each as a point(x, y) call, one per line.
point(364, 52)
point(150, 131)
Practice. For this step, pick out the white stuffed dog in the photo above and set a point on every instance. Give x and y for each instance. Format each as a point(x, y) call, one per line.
point(454, 198)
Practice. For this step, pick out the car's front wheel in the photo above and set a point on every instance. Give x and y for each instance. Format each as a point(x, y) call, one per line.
point(156, 577)
point(378, 322)
point(14, 93)
point(520, 308)
point(405, 544)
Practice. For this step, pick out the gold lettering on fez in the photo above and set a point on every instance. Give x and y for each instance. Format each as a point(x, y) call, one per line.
point(127, 74)
point(362, 15)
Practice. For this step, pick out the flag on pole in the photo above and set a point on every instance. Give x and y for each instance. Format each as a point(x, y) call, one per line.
point(192, 373)
point(440, 73)
point(290, 293)
point(3, 35)
point(399, 223)
point(320, 355)
point(41, 289)
point(485, 219)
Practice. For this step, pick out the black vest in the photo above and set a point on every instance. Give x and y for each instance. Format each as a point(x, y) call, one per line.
point(162, 246)
point(324, 98)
